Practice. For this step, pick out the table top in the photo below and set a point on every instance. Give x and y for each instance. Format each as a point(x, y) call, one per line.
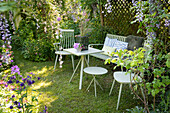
point(85, 52)
point(95, 70)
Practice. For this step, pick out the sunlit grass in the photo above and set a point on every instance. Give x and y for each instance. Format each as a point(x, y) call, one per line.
point(55, 91)
point(41, 84)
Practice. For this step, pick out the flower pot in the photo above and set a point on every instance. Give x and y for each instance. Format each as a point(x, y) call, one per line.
point(84, 40)
point(79, 49)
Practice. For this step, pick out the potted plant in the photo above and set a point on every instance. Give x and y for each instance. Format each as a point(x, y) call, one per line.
point(84, 26)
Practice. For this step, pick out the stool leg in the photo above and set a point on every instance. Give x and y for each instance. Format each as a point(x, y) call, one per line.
point(90, 84)
point(112, 87)
point(99, 84)
point(95, 86)
point(55, 62)
point(120, 90)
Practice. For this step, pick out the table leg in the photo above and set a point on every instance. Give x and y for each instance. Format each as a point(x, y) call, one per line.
point(81, 71)
point(75, 70)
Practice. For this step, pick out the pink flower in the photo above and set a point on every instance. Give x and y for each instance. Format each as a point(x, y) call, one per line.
point(58, 18)
point(76, 45)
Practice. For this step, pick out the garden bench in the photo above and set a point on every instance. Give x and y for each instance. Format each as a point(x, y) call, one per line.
point(117, 42)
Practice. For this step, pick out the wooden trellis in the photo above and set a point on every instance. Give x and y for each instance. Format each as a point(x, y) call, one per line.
point(121, 16)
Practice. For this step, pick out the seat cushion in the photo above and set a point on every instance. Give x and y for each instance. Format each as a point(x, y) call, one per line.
point(108, 50)
point(134, 41)
point(62, 53)
point(108, 46)
point(120, 45)
point(110, 42)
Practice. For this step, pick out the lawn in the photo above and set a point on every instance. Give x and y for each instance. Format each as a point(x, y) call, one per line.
point(61, 96)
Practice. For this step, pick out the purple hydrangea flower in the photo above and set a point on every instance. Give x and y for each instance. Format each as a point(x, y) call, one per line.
point(17, 81)
point(13, 96)
point(58, 18)
point(38, 78)
point(29, 82)
point(11, 107)
point(10, 82)
point(22, 84)
point(15, 102)
point(15, 69)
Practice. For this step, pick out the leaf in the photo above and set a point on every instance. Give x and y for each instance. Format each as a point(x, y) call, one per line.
point(5, 8)
point(17, 17)
point(168, 60)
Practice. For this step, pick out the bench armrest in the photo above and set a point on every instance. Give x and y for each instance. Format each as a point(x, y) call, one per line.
point(56, 46)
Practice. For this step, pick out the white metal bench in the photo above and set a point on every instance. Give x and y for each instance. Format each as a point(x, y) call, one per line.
point(110, 36)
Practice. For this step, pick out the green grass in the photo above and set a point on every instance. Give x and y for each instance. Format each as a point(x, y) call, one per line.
point(60, 96)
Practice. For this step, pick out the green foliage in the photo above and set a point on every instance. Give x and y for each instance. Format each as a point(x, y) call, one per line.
point(140, 62)
point(136, 109)
point(38, 50)
point(6, 6)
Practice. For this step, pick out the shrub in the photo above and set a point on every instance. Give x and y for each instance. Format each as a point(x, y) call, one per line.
point(38, 50)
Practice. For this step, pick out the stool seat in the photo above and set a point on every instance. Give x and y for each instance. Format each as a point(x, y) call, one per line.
point(95, 70)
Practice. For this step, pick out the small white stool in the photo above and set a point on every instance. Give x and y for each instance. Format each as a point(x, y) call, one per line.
point(95, 71)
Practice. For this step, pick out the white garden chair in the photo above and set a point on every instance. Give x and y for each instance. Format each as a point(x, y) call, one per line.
point(122, 78)
point(66, 41)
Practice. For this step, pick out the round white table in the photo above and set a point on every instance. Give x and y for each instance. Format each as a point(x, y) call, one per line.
point(95, 71)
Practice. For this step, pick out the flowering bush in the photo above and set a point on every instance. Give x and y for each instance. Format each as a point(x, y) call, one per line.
point(6, 58)
point(16, 94)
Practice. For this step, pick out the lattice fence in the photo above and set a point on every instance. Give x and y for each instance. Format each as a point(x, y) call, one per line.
point(121, 16)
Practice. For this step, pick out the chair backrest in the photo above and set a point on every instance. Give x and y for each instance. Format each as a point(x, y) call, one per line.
point(67, 38)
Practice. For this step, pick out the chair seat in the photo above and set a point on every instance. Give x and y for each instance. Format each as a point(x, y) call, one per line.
point(122, 77)
point(62, 53)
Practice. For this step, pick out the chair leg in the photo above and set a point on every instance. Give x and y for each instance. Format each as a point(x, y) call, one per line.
point(95, 86)
point(112, 87)
point(120, 90)
point(88, 56)
point(55, 62)
point(72, 58)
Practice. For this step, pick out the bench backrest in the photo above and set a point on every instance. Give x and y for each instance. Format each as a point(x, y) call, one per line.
point(120, 38)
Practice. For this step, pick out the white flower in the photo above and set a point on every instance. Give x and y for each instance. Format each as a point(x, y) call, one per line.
point(3, 46)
